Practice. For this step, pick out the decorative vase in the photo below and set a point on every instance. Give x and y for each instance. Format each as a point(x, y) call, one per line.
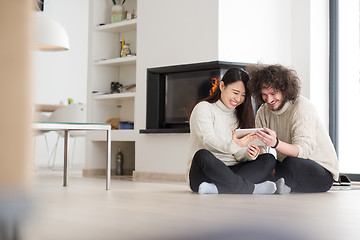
point(125, 51)
point(117, 13)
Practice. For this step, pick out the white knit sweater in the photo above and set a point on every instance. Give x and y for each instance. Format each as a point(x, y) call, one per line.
point(210, 128)
point(298, 123)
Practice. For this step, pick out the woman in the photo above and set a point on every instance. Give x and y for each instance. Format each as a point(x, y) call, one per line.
point(221, 163)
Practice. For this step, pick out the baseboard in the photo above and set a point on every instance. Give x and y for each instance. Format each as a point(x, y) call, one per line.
point(94, 172)
point(157, 177)
point(137, 176)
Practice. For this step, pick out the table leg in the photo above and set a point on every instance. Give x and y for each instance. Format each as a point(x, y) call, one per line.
point(66, 150)
point(108, 159)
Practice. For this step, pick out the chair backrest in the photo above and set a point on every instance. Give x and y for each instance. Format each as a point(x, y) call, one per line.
point(40, 117)
point(69, 113)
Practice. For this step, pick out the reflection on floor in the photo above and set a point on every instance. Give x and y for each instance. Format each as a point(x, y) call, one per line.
point(140, 210)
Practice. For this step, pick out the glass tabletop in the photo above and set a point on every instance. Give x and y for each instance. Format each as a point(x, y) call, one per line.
point(70, 126)
point(79, 123)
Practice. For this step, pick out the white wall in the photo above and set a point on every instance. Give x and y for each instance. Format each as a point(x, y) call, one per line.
point(62, 75)
point(300, 42)
point(170, 32)
point(318, 82)
point(251, 34)
point(310, 51)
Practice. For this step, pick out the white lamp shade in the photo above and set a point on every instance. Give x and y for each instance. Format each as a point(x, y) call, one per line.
point(49, 34)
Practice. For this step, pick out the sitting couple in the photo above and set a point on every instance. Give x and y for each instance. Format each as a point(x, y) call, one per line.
point(305, 159)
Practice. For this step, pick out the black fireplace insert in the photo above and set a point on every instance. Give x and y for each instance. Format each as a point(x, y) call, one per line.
point(173, 91)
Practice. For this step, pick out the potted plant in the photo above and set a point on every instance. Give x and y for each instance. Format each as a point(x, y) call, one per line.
point(117, 12)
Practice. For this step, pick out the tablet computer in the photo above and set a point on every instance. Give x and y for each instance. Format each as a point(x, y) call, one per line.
point(241, 132)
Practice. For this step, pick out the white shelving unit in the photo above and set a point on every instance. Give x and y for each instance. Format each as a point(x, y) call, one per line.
point(114, 96)
point(106, 66)
point(119, 61)
point(123, 26)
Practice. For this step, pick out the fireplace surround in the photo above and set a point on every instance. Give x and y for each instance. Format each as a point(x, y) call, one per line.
point(172, 92)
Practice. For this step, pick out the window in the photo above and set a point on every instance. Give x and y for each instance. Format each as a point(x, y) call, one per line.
point(346, 83)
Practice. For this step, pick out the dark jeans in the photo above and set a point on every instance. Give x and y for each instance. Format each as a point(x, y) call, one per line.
point(303, 175)
point(239, 178)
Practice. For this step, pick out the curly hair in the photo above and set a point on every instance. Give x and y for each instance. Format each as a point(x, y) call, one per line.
point(273, 76)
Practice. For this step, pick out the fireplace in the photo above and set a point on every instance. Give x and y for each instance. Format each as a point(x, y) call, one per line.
point(173, 91)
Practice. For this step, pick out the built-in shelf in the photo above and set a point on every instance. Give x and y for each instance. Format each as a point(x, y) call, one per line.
point(114, 96)
point(123, 26)
point(116, 135)
point(106, 66)
point(116, 61)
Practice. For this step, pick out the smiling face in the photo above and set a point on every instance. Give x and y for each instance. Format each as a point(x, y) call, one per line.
point(233, 94)
point(273, 98)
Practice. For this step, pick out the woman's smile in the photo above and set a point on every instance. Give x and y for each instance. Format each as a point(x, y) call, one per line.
point(234, 103)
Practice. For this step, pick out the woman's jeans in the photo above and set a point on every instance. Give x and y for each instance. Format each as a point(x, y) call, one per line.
point(239, 178)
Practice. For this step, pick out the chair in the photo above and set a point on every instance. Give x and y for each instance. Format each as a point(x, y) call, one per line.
point(69, 113)
point(41, 117)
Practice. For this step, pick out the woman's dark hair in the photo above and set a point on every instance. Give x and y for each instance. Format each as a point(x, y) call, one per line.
point(244, 112)
point(274, 76)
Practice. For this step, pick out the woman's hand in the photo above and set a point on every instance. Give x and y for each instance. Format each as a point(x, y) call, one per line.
point(267, 136)
point(253, 151)
point(244, 141)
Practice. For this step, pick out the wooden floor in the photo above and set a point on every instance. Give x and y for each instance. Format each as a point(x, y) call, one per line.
point(140, 210)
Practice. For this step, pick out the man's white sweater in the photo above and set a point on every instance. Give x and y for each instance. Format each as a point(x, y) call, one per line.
point(298, 123)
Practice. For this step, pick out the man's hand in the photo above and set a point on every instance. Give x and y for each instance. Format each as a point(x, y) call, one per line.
point(267, 136)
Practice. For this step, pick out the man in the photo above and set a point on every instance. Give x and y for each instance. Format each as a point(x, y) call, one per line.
point(307, 160)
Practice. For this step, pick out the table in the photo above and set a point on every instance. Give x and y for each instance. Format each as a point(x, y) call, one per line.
point(67, 127)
